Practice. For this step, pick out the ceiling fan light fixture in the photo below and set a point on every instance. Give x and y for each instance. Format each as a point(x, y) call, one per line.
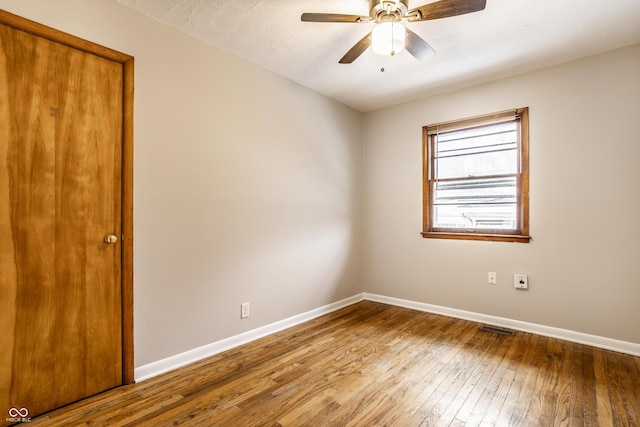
point(388, 38)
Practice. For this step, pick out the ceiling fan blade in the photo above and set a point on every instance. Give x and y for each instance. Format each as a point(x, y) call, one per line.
point(417, 47)
point(447, 8)
point(333, 17)
point(356, 50)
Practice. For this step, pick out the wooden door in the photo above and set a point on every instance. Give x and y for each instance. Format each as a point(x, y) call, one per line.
point(61, 193)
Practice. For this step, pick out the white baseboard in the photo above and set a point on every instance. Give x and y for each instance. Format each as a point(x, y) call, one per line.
point(170, 363)
point(547, 331)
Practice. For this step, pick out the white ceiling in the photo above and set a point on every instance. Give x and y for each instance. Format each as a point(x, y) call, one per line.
point(507, 38)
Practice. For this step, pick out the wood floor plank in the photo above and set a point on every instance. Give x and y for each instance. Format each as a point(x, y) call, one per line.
point(509, 368)
point(535, 409)
point(374, 364)
point(492, 380)
point(435, 388)
point(482, 368)
point(525, 348)
point(574, 398)
point(589, 403)
point(603, 404)
point(530, 372)
point(631, 394)
point(621, 393)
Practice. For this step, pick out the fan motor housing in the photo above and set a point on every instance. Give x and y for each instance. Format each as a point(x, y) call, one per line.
point(387, 10)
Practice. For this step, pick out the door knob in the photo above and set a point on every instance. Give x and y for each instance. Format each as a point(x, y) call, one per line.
point(110, 238)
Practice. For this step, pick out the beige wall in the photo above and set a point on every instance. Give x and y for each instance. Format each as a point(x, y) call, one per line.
point(584, 260)
point(247, 186)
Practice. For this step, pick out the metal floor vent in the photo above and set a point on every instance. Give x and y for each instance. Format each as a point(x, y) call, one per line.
point(497, 330)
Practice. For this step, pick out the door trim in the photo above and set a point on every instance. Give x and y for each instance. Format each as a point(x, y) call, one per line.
point(127, 62)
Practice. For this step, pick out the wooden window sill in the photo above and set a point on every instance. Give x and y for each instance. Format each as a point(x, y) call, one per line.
point(518, 238)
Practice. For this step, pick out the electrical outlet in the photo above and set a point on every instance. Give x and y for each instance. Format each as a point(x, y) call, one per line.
point(520, 281)
point(244, 310)
point(492, 278)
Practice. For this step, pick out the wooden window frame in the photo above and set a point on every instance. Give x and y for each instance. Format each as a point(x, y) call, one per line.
point(521, 233)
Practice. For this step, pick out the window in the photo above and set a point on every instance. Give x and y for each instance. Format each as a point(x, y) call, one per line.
point(476, 178)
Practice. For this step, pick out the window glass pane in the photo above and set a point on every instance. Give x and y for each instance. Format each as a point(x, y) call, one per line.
point(476, 203)
point(471, 217)
point(478, 190)
point(486, 150)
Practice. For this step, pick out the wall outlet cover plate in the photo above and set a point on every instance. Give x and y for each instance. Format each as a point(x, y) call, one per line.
point(520, 281)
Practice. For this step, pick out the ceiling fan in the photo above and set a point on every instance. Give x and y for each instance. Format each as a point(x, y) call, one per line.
point(389, 36)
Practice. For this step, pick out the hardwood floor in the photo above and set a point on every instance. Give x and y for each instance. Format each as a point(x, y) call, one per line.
point(373, 364)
